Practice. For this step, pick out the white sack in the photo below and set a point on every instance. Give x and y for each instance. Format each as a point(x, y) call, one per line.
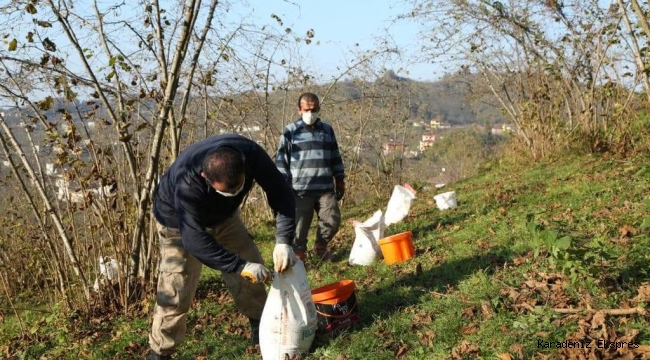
point(365, 249)
point(399, 204)
point(289, 319)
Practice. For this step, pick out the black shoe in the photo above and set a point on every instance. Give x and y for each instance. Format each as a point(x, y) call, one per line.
point(155, 356)
point(255, 329)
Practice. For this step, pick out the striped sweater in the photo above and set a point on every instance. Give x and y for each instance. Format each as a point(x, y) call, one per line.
point(309, 157)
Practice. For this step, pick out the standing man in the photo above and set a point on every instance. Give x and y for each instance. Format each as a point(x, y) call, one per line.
point(196, 206)
point(308, 156)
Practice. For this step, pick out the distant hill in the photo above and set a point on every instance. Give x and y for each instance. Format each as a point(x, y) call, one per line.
point(459, 99)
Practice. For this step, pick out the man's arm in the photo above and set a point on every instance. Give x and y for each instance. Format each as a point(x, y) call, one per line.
point(336, 162)
point(195, 239)
point(280, 196)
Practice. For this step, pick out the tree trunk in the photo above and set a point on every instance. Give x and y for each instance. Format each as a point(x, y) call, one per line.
point(50, 210)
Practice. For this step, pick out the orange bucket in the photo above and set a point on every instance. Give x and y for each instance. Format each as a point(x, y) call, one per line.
point(333, 293)
point(336, 306)
point(397, 248)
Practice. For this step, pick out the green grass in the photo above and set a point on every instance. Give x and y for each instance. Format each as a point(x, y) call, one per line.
point(480, 289)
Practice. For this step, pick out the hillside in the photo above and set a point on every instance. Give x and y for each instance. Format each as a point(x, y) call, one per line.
point(552, 252)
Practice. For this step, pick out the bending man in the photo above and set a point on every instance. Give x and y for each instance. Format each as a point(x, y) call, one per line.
point(196, 206)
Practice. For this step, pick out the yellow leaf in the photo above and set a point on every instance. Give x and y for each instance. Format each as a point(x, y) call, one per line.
point(13, 45)
point(505, 356)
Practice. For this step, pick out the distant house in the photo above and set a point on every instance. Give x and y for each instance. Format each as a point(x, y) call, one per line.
point(393, 146)
point(429, 137)
point(427, 141)
point(413, 154)
point(501, 130)
point(437, 124)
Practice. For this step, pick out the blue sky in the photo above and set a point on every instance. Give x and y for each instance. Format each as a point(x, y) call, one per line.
point(342, 24)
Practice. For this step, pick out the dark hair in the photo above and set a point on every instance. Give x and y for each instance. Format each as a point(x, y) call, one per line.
point(311, 97)
point(224, 165)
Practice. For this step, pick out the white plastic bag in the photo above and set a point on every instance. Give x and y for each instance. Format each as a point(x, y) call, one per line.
point(399, 204)
point(108, 272)
point(289, 320)
point(365, 249)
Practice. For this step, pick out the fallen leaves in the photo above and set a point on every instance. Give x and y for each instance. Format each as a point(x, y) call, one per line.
point(470, 329)
point(486, 310)
point(464, 350)
point(627, 231)
point(605, 342)
point(541, 290)
point(401, 351)
point(426, 338)
point(643, 294)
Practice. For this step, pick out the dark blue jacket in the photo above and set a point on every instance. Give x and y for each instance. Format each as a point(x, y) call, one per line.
point(185, 200)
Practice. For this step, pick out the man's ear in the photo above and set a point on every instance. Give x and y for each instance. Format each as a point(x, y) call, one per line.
point(203, 175)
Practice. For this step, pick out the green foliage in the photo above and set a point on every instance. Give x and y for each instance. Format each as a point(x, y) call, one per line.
point(556, 246)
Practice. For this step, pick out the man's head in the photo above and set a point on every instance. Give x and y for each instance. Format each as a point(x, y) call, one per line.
point(223, 168)
point(308, 102)
point(308, 107)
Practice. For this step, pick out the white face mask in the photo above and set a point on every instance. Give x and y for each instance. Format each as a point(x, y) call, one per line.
point(309, 117)
point(226, 194)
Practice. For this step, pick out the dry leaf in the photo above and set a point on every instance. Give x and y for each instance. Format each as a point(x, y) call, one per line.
point(598, 320)
point(486, 310)
point(518, 349)
point(470, 329)
point(426, 339)
point(465, 348)
point(505, 356)
point(469, 313)
point(518, 261)
point(643, 293)
point(627, 231)
point(401, 351)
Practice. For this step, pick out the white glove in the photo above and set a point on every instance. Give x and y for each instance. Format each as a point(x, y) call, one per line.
point(283, 257)
point(256, 273)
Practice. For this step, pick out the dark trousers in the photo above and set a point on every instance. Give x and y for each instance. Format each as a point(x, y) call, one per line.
point(329, 219)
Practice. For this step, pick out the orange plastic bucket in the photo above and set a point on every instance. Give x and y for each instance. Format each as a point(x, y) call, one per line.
point(336, 306)
point(333, 293)
point(397, 248)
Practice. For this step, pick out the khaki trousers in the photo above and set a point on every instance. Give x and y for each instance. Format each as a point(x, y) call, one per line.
point(329, 218)
point(178, 278)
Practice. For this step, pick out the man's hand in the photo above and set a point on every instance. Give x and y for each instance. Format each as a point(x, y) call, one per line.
point(283, 257)
point(256, 273)
point(340, 189)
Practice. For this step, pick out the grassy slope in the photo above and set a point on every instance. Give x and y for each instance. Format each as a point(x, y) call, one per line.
point(480, 291)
